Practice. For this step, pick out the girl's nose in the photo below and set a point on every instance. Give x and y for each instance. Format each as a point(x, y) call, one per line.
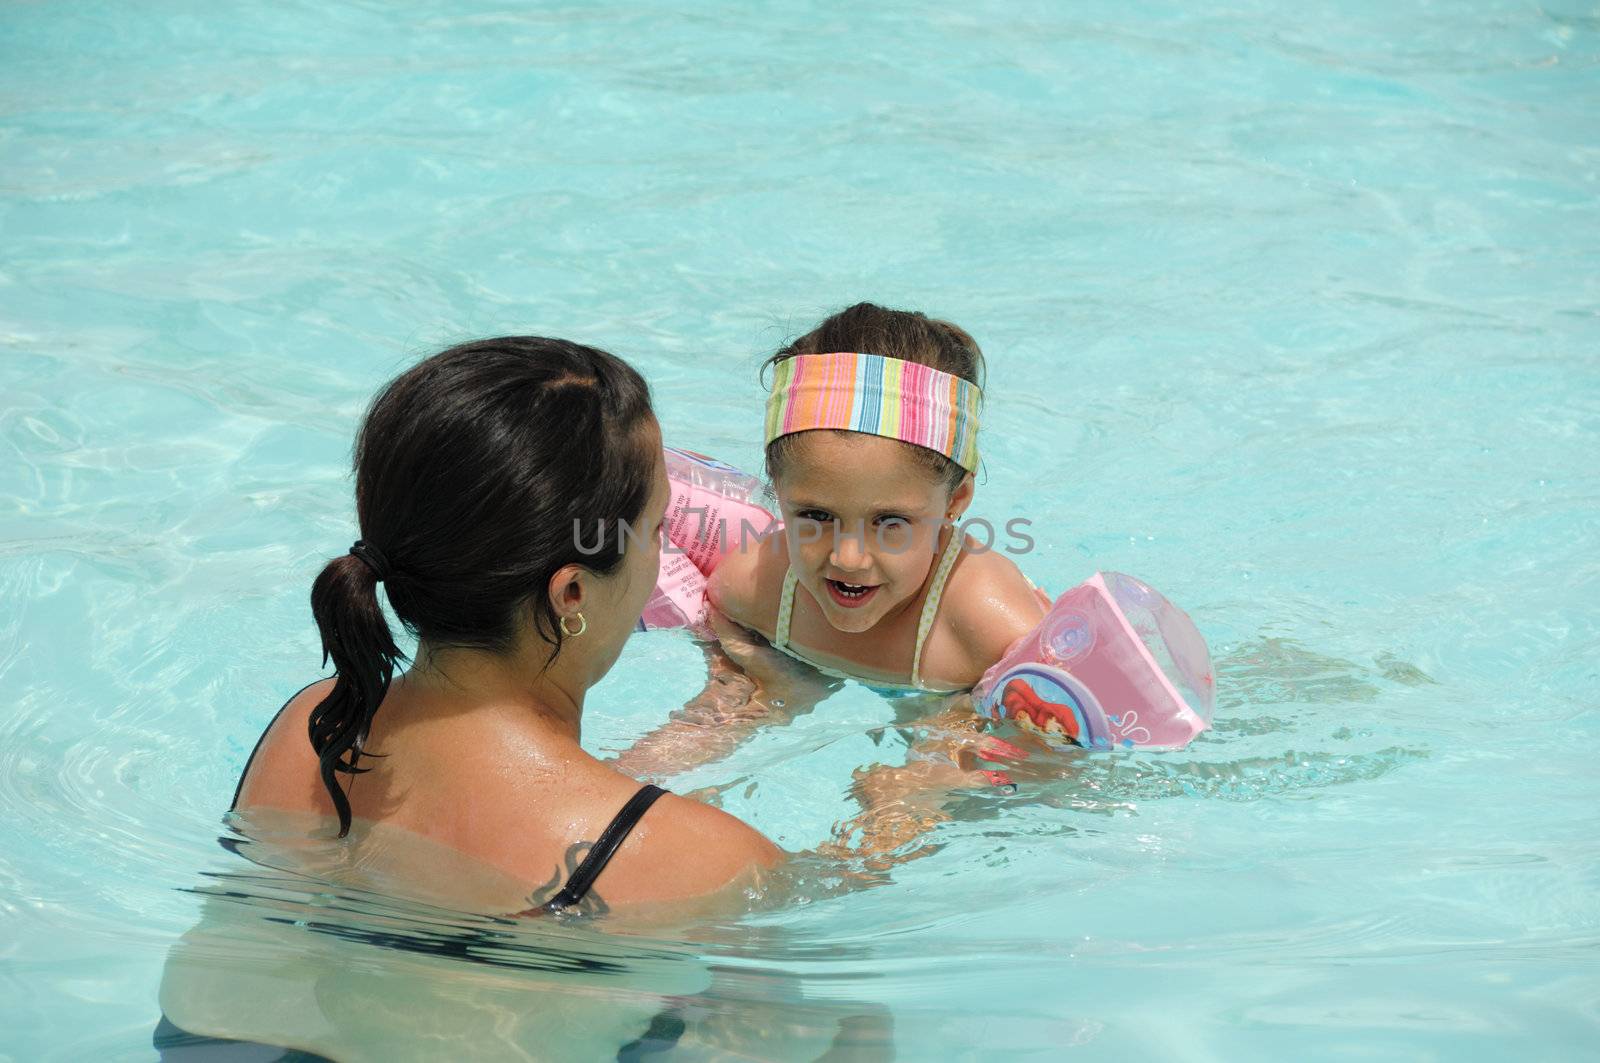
point(849, 553)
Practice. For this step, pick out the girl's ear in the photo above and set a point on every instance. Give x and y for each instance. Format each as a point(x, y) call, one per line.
point(961, 497)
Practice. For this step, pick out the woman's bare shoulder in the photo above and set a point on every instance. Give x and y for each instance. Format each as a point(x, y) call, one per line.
point(696, 825)
point(282, 771)
point(682, 849)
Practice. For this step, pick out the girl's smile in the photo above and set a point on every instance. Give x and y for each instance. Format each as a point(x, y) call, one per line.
point(850, 595)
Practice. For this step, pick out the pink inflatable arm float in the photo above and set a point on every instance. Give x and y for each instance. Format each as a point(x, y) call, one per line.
point(713, 508)
point(1113, 664)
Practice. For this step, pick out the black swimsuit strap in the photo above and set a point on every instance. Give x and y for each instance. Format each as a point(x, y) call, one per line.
point(616, 832)
point(239, 789)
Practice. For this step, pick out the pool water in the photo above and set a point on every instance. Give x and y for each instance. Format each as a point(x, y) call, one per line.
point(1291, 311)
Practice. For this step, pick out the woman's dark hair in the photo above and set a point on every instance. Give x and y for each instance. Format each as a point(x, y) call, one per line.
point(478, 474)
point(904, 334)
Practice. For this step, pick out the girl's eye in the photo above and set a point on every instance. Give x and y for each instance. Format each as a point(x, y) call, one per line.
point(819, 515)
point(892, 522)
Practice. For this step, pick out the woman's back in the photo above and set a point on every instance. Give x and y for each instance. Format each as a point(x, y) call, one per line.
point(501, 791)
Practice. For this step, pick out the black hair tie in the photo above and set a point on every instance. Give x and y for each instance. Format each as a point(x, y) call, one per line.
point(372, 557)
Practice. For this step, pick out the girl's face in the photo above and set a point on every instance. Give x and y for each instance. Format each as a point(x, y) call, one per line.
point(862, 518)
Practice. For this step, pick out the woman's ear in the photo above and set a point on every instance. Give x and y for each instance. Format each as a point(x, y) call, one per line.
point(961, 497)
point(570, 590)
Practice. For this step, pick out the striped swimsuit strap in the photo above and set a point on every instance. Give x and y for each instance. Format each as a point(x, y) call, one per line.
point(930, 608)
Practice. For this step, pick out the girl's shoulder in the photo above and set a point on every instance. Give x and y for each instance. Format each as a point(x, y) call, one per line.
point(748, 582)
point(988, 604)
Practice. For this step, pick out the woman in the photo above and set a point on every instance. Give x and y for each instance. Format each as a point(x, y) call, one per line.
point(509, 494)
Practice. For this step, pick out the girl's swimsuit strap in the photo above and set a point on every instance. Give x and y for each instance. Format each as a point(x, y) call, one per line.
point(930, 605)
point(616, 832)
point(780, 635)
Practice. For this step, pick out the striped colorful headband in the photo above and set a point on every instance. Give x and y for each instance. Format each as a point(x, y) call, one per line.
point(880, 396)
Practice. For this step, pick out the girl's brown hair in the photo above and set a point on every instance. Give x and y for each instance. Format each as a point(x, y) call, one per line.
point(905, 334)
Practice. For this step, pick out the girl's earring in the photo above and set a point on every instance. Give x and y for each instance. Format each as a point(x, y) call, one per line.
point(583, 625)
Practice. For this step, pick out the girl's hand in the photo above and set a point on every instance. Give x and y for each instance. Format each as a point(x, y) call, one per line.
point(780, 679)
point(900, 804)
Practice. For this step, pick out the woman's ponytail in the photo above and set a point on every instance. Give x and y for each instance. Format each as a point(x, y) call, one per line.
point(355, 636)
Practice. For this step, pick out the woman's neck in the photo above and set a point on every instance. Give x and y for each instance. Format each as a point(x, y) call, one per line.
point(518, 681)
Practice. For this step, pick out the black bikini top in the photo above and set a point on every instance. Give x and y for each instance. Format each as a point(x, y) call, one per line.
point(616, 832)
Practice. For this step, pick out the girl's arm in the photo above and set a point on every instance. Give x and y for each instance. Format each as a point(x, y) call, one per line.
point(988, 605)
point(750, 685)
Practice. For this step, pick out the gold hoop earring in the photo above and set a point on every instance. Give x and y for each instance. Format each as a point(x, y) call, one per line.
point(583, 625)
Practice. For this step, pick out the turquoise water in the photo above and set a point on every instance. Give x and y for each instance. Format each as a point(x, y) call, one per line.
point(1292, 311)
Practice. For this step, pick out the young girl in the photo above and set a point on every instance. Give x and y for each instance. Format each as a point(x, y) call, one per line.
point(871, 456)
point(871, 445)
